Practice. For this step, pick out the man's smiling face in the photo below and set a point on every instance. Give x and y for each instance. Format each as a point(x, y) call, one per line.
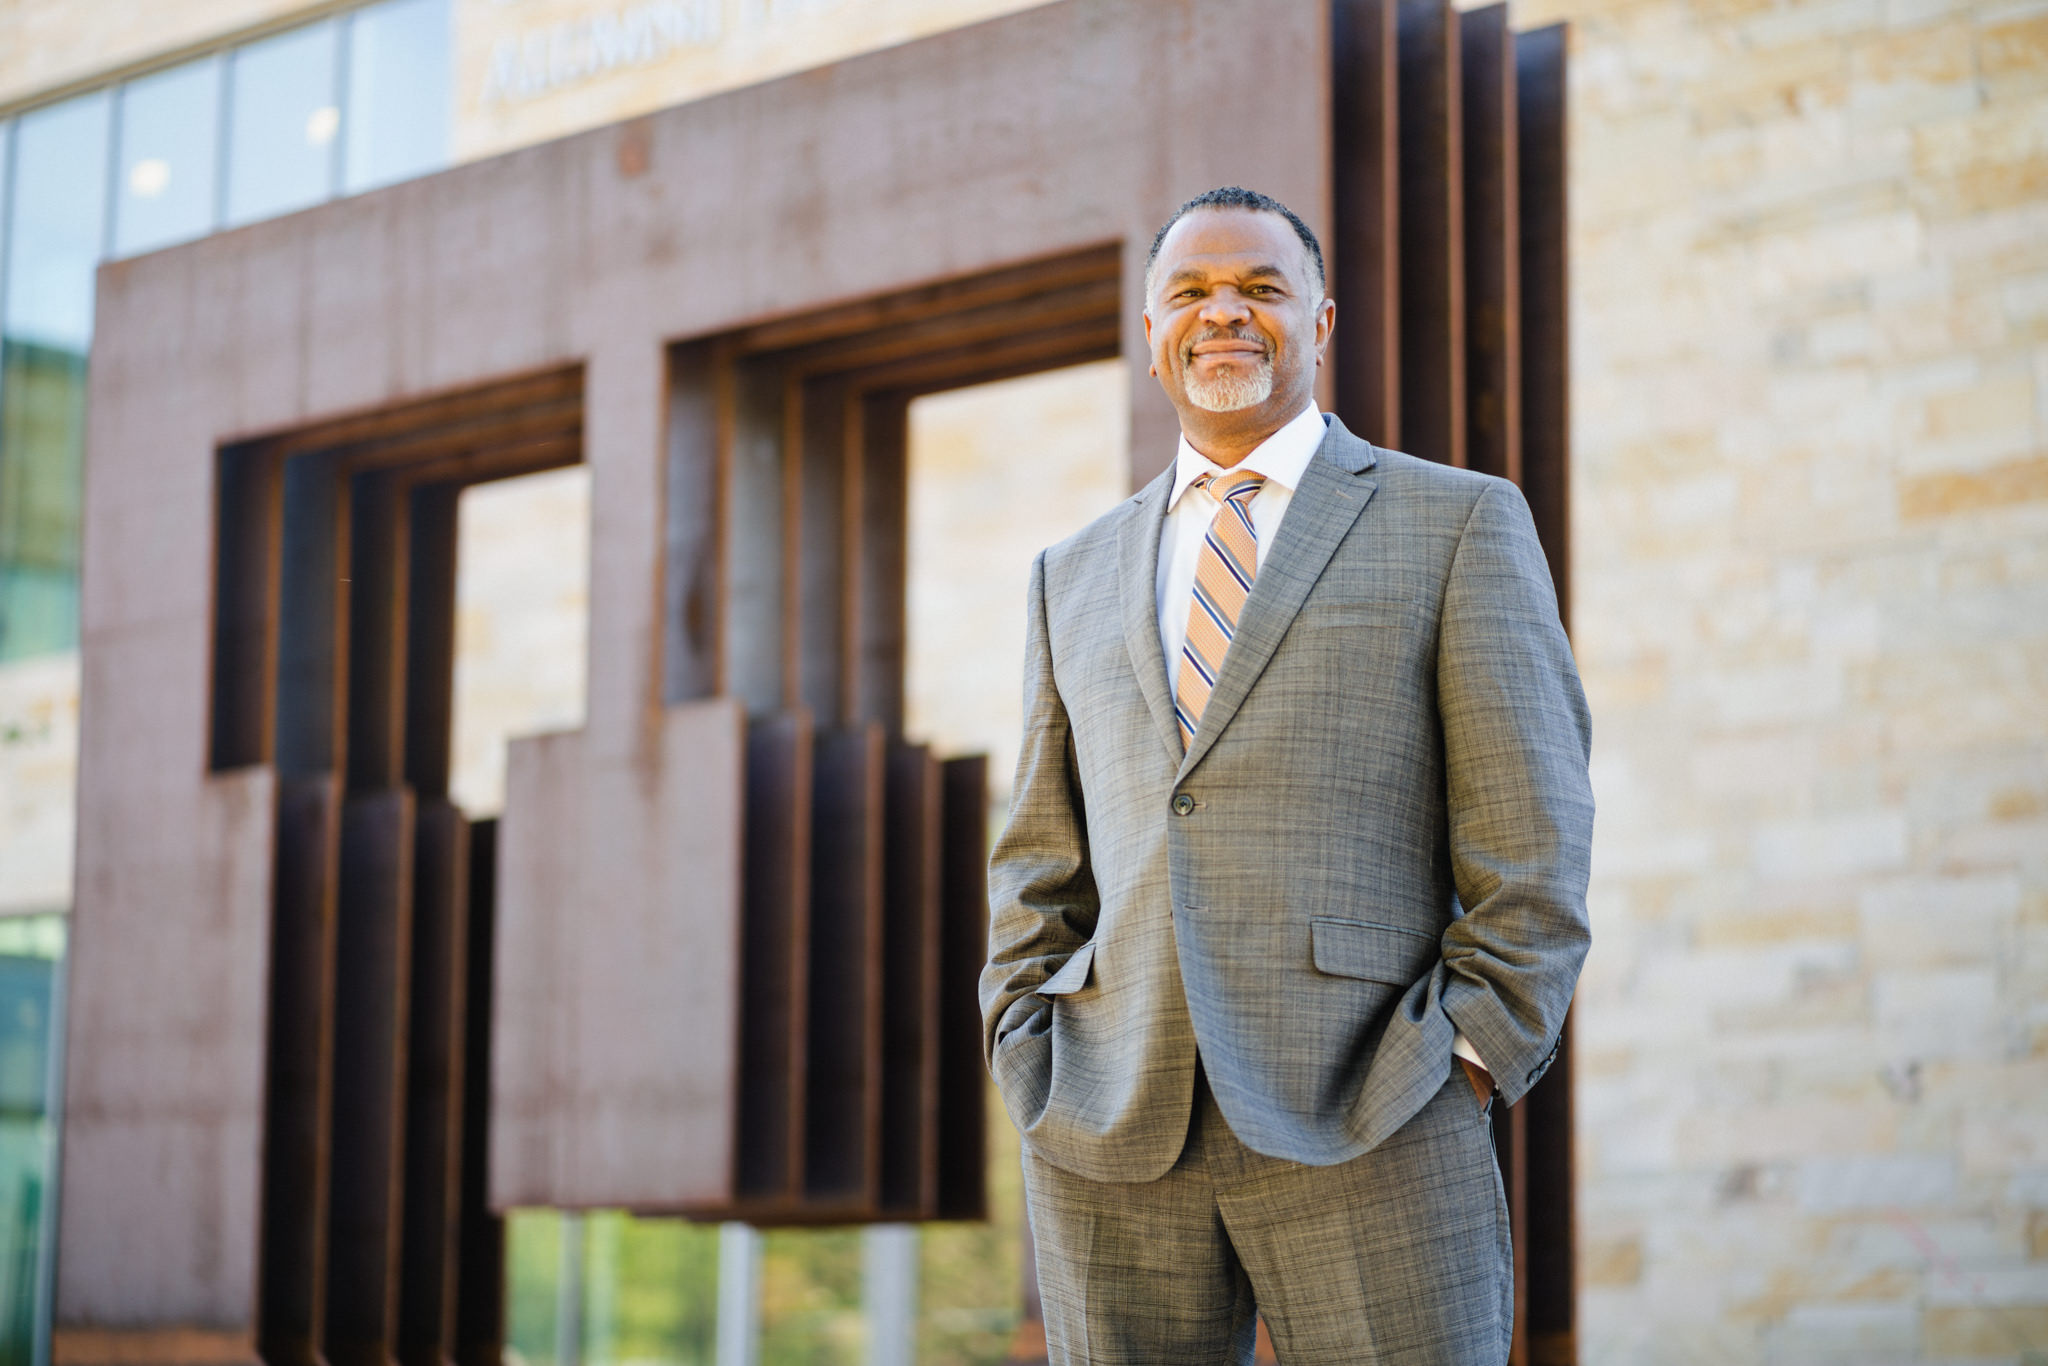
point(1236, 320)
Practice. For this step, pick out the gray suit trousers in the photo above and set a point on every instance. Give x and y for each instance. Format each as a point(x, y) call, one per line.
point(1399, 1257)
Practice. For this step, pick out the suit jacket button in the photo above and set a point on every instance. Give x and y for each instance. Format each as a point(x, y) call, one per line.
point(1182, 804)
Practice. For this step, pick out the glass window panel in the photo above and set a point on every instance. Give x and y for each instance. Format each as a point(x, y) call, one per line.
point(56, 229)
point(282, 122)
point(58, 222)
point(6, 149)
point(399, 88)
point(31, 953)
point(168, 139)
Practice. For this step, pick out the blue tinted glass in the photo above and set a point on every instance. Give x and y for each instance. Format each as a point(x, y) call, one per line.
point(399, 90)
point(58, 221)
point(168, 140)
point(57, 225)
point(30, 1024)
point(6, 150)
point(283, 120)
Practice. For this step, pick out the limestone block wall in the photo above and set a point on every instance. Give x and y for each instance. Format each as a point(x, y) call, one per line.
point(522, 622)
point(1810, 314)
point(48, 45)
point(38, 773)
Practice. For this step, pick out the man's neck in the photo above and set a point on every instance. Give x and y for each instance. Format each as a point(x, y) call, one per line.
point(1227, 438)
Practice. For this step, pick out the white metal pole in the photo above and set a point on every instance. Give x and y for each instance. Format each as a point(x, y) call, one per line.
point(890, 1257)
point(569, 1293)
point(739, 1295)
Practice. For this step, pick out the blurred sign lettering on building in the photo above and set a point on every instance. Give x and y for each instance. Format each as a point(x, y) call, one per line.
point(531, 70)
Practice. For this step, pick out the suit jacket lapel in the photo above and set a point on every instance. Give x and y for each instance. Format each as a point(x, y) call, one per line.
point(1138, 586)
point(1333, 492)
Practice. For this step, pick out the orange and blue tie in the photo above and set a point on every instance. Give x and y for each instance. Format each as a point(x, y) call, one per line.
point(1223, 580)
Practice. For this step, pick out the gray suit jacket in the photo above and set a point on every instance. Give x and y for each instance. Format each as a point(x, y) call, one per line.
point(1379, 835)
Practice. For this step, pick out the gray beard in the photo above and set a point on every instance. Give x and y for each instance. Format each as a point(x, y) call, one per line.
point(1229, 393)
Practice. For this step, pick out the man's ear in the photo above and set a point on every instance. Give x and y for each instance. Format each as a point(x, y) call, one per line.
point(1326, 323)
point(1153, 368)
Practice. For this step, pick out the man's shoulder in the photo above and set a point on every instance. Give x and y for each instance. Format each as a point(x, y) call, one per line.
point(1430, 489)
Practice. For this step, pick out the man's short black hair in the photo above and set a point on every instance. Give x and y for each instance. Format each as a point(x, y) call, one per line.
point(1237, 197)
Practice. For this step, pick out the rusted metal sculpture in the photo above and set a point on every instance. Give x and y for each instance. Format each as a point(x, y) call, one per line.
point(717, 957)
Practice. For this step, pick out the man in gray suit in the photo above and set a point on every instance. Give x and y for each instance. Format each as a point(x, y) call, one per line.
point(1301, 816)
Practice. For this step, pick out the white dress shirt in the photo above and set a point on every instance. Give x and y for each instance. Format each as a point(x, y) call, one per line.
point(1282, 458)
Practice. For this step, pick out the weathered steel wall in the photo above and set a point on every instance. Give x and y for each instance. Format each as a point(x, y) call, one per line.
point(1027, 139)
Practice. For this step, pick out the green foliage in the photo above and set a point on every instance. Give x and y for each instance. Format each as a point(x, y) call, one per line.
point(811, 1311)
point(970, 1280)
point(533, 1260)
point(650, 1286)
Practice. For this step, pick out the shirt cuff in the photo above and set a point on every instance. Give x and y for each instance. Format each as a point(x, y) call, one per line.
point(1461, 1047)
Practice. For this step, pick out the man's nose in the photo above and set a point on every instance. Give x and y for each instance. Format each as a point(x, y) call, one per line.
point(1226, 307)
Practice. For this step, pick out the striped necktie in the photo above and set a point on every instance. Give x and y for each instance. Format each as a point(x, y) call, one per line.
point(1223, 579)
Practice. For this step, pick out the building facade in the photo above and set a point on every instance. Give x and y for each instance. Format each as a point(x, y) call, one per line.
point(1810, 420)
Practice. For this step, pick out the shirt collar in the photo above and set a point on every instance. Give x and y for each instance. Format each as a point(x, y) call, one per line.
point(1282, 457)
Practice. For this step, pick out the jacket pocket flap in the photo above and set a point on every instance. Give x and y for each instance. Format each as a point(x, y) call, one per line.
point(1073, 975)
point(1375, 953)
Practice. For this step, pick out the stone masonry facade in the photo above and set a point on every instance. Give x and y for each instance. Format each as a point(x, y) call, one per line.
point(1810, 428)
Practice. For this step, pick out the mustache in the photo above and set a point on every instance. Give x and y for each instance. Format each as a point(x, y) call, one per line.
point(1225, 334)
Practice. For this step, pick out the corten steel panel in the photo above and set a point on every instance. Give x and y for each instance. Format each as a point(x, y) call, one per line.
point(614, 1022)
point(433, 1107)
point(1362, 253)
point(493, 414)
point(298, 1109)
point(881, 575)
point(480, 1235)
point(775, 973)
point(164, 1108)
point(429, 703)
point(1511, 1153)
point(1493, 377)
point(378, 588)
point(697, 376)
point(1056, 296)
point(843, 1090)
point(752, 482)
point(250, 534)
point(434, 1100)
point(1493, 414)
point(394, 602)
point(1546, 335)
point(926, 161)
point(910, 981)
point(1541, 143)
point(963, 945)
point(1432, 262)
point(1551, 1323)
point(366, 1133)
point(822, 473)
point(312, 619)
